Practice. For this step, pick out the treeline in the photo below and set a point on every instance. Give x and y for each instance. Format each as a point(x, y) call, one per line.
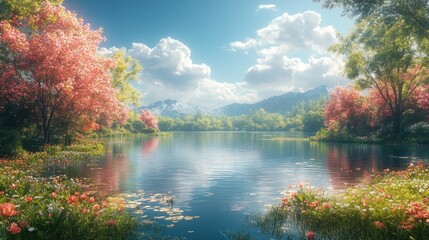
point(306, 116)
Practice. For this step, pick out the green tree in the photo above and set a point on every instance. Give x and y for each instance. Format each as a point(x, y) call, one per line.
point(382, 56)
point(22, 8)
point(125, 72)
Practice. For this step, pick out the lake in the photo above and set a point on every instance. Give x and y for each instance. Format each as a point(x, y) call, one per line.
point(215, 179)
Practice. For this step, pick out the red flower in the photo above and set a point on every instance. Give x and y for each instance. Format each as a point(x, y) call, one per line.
point(53, 195)
point(378, 224)
point(84, 210)
point(13, 228)
point(111, 223)
point(72, 199)
point(28, 199)
point(91, 200)
point(96, 207)
point(83, 196)
point(310, 235)
point(23, 224)
point(8, 210)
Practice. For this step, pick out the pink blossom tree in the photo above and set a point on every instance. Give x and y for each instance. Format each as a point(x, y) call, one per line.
point(348, 110)
point(52, 60)
point(149, 120)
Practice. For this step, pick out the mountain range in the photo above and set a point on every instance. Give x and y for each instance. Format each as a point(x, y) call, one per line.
point(278, 104)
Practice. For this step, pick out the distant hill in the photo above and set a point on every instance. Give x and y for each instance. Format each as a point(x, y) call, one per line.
point(277, 104)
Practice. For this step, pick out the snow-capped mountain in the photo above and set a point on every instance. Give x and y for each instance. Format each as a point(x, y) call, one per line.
point(174, 108)
point(277, 104)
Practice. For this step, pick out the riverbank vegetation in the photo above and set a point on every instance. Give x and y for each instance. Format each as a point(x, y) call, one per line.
point(36, 206)
point(306, 116)
point(393, 205)
point(386, 57)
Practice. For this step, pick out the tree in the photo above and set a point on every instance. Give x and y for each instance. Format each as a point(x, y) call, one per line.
point(53, 56)
point(385, 58)
point(124, 73)
point(414, 12)
point(22, 8)
point(348, 110)
point(149, 120)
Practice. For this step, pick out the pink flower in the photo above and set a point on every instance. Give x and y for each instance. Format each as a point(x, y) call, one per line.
point(84, 210)
point(379, 224)
point(83, 196)
point(72, 199)
point(91, 200)
point(310, 235)
point(96, 207)
point(8, 210)
point(111, 223)
point(13, 228)
point(28, 199)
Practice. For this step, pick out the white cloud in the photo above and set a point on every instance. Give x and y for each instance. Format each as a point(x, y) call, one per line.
point(169, 72)
point(292, 55)
point(292, 32)
point(266, 7)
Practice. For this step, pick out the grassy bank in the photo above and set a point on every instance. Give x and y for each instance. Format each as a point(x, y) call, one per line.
point(393, 205)
point(36, 207)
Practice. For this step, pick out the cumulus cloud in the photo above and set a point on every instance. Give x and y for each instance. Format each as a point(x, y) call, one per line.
point(299, 31)
point(271, 7)
point(169, 72)
point(292, 55)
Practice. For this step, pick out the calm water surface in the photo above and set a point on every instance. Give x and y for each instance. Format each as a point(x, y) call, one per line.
point(222, 176)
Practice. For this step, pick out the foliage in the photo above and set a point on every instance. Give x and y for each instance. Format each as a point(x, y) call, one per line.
point(305, 116)
point(51, 59)
point(149, 120)
point(412, 12)
point(348, 111)
point(386, 54)
point(394, 205)
point(36, 207)
point(22, 8)
point(124, 73)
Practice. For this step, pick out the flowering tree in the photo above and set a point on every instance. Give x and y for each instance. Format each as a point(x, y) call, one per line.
point(387, 57)
point(348, 110)
point(52, 60)
point(149, 120)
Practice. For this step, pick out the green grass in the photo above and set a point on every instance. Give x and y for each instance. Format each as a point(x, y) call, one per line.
point(393, 205)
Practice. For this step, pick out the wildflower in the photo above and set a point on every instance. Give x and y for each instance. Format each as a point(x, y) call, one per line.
point(83, 196)
point(105, 204)
point(84, 210)
point(13, 186)
point(8, 210)
point(72, 199)
point(23, 224)
point(310, 235)
point(28, 199)
point(1, 192)
point(53, 195)
point(13, 228)
point(96, 207)
point(378, 224)
point(111, 223)
point(91, 200)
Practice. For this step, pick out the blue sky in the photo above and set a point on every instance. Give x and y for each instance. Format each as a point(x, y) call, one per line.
point(217, 52)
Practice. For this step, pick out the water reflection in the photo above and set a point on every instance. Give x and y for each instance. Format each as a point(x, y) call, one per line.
point(150, 145)
point(222, 175)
